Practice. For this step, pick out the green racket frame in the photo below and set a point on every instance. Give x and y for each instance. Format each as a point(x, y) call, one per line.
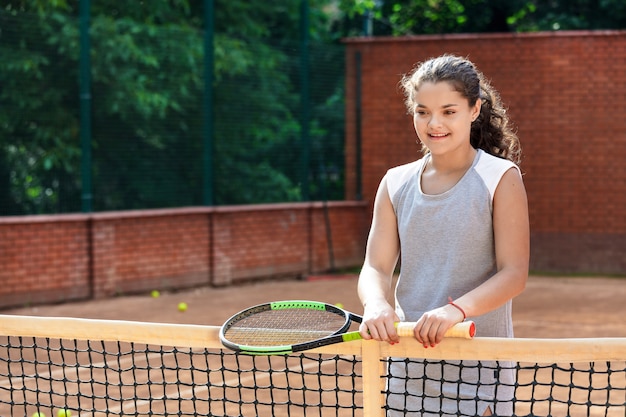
point(340, 335)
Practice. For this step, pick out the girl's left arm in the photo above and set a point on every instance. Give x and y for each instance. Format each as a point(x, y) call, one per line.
point(512, 245)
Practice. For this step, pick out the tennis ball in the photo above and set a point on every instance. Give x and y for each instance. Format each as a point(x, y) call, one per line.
point(182, 307)
point(64, 413)
point(155, 293)
point(340, 305)
point(38, 414)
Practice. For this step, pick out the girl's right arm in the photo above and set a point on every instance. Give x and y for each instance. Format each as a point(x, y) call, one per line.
point(375, 279)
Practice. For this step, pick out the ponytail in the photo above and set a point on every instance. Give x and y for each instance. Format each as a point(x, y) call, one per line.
point(491, 131)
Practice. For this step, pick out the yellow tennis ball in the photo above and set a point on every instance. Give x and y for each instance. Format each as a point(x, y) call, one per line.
point(182, 306)
point(155, 293)
point(38, 414)
point(340, 305)
point(64, 413)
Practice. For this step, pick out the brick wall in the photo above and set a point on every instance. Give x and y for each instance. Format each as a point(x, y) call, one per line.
point(43, 259)
point(48, 259)
point(566, 94)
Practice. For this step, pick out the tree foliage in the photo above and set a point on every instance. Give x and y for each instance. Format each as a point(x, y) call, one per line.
point(407, 17)
point(147, 74)
point(147, 89)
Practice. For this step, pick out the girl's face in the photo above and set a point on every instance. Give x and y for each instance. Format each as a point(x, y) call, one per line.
point(443, 117)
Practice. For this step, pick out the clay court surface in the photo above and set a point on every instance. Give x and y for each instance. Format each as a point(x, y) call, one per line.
point(550, 307)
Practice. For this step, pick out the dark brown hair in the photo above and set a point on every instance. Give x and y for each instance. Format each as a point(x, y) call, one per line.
point(490, 131)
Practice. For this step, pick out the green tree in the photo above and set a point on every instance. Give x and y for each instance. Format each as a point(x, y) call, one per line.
point(37, 132)
point(147, 100)
point(406, 17)
point(572, 15)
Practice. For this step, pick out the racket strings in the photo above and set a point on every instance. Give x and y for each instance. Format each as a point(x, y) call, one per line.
point(284, 327)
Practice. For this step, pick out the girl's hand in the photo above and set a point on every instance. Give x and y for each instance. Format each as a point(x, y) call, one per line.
point(379, 321)
point(433, 325)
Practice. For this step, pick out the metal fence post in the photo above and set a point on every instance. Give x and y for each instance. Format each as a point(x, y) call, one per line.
point(85, 106)
point(305, 98)
point(207, 162)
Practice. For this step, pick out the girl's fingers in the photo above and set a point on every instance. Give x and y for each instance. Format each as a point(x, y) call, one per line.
point(378, 332)
point(364, 331)
point(429, 334)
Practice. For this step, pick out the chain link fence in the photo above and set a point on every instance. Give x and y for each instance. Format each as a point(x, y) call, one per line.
point(148, 129)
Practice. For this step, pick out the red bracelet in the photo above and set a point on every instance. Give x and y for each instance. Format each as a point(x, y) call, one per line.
point(459, 308)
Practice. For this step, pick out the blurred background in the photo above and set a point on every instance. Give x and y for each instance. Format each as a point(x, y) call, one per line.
point(155, 104)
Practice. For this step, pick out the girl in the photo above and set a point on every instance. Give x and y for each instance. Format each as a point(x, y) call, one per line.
point(457, 219)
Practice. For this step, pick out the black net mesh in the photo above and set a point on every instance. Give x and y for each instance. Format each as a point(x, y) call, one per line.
point(118, 378)
point(467, 388)
point(110, 378)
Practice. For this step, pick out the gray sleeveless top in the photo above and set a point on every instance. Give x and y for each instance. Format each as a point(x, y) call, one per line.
point(447, 249)
point(446, 240)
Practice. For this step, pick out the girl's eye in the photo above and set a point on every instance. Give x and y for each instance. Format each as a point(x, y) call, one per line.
point(450, 112)
point(420, 112)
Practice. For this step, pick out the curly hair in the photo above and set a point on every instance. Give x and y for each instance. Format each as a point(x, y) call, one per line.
point(490, 131)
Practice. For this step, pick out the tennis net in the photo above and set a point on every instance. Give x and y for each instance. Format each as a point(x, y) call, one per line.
point(120, 368)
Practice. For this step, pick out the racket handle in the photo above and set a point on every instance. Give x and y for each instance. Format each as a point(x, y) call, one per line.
point(464, 330)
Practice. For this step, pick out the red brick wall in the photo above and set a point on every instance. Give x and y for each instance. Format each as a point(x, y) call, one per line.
point(566, 94)
point(49, 259)
point(43, 259)
point(153, 249)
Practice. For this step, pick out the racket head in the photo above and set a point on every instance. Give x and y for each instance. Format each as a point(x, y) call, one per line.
point(283, 327)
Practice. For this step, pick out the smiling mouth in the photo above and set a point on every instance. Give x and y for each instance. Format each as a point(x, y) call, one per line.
point(438, 135)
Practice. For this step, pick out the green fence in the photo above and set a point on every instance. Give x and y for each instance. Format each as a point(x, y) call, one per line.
point(148, 131)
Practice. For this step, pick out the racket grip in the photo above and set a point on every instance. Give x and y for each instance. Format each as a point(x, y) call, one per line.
point(463, 330)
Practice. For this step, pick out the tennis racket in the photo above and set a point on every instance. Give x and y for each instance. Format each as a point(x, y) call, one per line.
point(284, 327)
